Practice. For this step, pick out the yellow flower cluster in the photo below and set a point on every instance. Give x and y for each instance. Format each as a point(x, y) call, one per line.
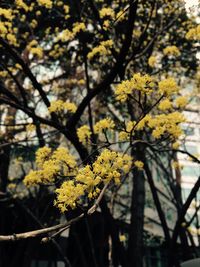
point(34, 49)
point(68, 194)
point(152, 61)
point(30, 127)
point(67, 35)
point(109, 166)
point(175, 145)
point(103, 49)
point(122, 238)
point(132, 126)
point(171, 51)
point(51, 165)
point(84, 134)
point(125, 135)
point(42, 155)
point(139, 164)
point(66, 10)
point(104, 124)
point(168, 86)
point(193, 34)
point(60, 105)
point(165, 105)
point(106, 12)
point(120, 16)
point(45, 3)
point(142, 83)
point(142, 123)
point(158, 124)
point(6, 13)
point(181, 101)
point(7, 31)
point(166, 124)
point(78, 27)
point(22, 5)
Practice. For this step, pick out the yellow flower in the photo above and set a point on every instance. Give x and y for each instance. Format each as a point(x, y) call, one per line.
point(42, 154)
point(60, 105)
point(6, 13)
point(139, 164)
point(30, 127)
point(168, 86)
point(123, 136)
point(193, 34)
point(142, 83)
point(11, 186)
point(165, 105)
point(68, 194)
point(152, 61)
point(51, 165)
point(141, 124)
point(175, 145)
point(84, 134)
point(104, 124)
point(166, 123)
point(103, 49)
point(37, 51)
point(77, 27)
point(34, 49)
point(45, 3)
point(181, 101)
point(71, 107)
point(106, 12)
point(21, 4)
point(171, 51)
point(122, 238)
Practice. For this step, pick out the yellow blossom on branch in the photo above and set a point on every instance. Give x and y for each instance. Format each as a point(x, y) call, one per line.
point(168, 87)
point(42, 155)
point(139, 164)
point(171, 51)
point(50, 166)
point(45, 3)
point(166, 124)
point(142, 83)
point(193, 34)
point(84, 134)
point(106, 12)
point(68, 194)
point(122, 238)
point(103, 49)
point(6, 13)
point(60, 105)
point(21, 4)
point(152, 61)
point(104, 124)
point(165, 105)
point(181, 101)
point(109, 166)
point(77, 27)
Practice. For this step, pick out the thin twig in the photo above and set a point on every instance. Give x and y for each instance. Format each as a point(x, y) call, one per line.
point(59, 227)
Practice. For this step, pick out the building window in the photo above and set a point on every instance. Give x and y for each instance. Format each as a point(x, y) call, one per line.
point(191, 149)
point(191, 171)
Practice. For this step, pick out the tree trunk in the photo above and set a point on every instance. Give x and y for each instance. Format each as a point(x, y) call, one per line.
point(135, 242)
